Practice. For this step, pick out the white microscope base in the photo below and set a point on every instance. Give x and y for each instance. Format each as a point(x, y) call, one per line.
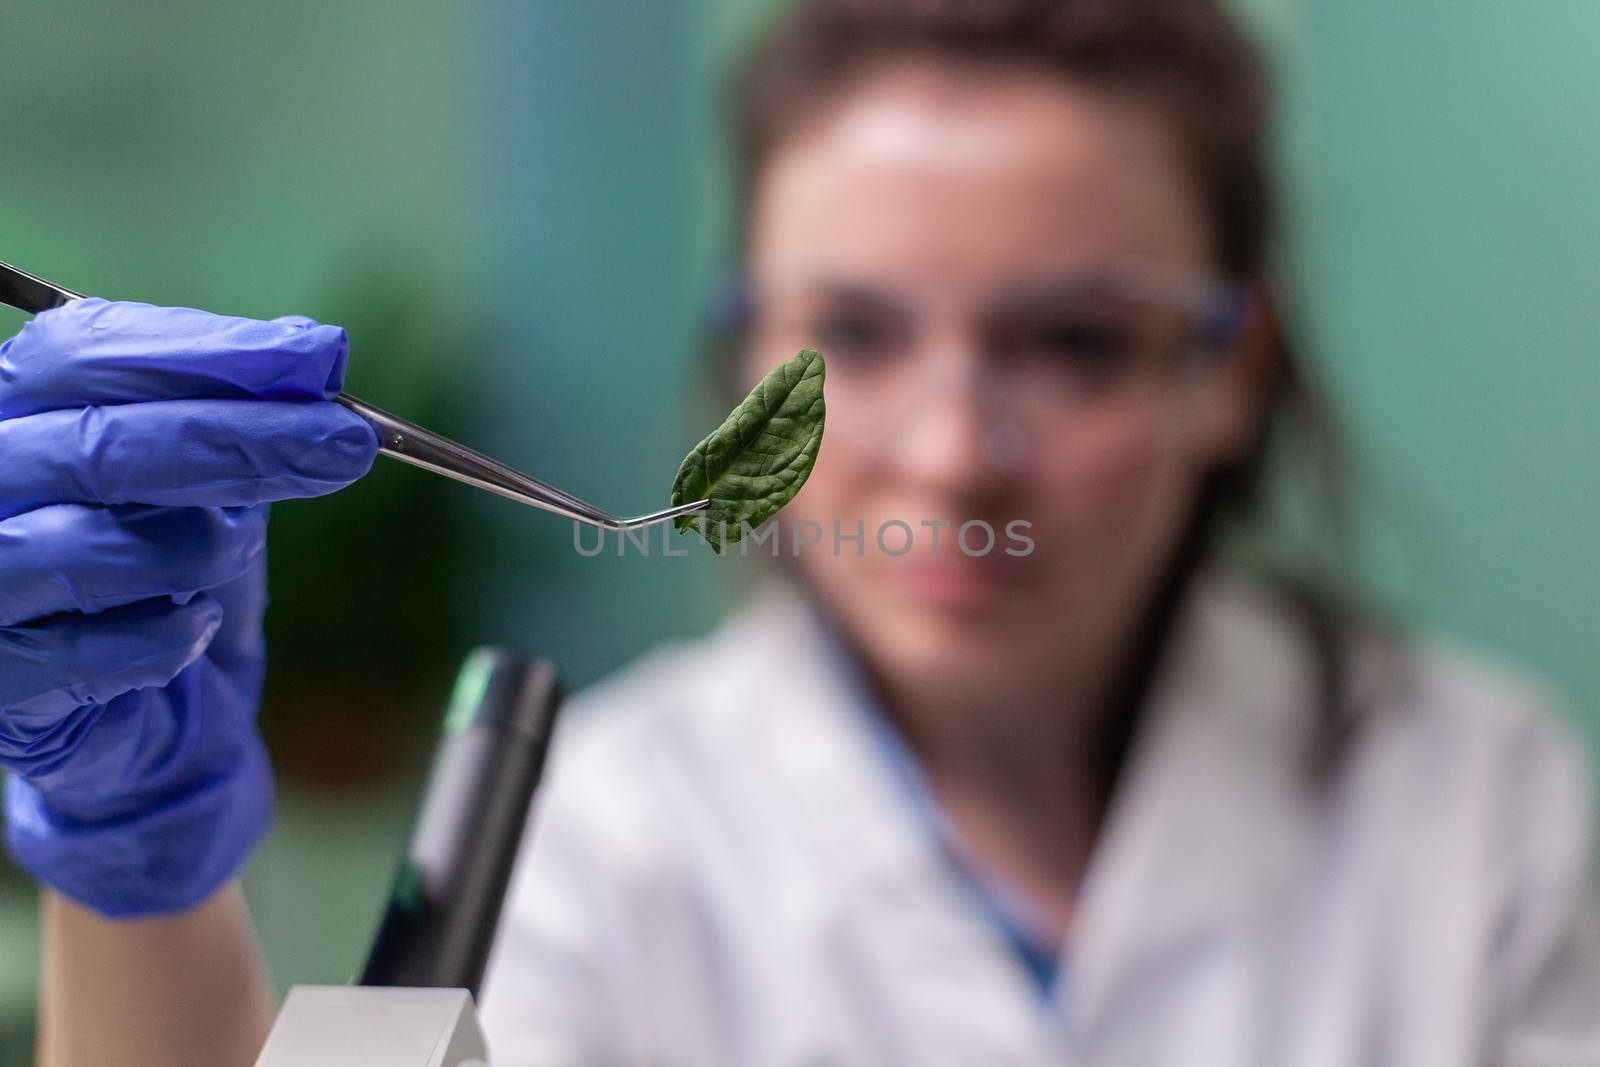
point(372, 1026)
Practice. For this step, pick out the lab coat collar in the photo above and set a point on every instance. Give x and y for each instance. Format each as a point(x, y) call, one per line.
point(1205, 823)
point(1200, 834)
point(899, 903)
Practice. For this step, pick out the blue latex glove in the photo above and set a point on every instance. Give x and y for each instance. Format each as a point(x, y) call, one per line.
point(139, 447)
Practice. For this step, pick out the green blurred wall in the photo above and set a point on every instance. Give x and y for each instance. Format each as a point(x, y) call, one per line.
point(1447, 159)
point(587, 229)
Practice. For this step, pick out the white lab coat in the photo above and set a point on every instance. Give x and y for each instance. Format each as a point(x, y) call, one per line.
point(722, 874)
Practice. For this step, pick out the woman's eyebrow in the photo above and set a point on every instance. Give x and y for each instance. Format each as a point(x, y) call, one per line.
point(844, 290)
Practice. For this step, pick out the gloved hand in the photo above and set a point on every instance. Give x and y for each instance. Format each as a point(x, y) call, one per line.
point(139, 447)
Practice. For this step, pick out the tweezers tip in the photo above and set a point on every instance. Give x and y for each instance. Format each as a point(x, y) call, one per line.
point(654, 517)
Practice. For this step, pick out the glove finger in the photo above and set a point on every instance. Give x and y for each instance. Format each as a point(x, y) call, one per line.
point(186, 453)
point(239, 647)
point(99, 352)
point(68, 557)
point(56, 674)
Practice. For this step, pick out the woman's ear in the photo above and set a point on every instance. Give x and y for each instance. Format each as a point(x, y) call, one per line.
point(1237, 389)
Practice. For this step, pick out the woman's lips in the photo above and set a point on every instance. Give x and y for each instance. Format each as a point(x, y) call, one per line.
point(957, 583)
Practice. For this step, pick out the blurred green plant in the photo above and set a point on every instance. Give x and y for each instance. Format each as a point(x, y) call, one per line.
point(371, 587)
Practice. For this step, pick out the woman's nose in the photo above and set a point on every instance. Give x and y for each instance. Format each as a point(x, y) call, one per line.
point(955, 435)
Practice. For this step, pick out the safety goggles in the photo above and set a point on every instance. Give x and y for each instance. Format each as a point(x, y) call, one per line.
point(1027, 361)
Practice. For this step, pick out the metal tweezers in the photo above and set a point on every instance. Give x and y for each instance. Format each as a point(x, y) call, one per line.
point(397, 438)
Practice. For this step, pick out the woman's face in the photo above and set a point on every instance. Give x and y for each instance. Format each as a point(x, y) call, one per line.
point(994, 265)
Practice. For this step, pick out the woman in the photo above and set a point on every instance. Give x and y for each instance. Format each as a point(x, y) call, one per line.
point(1095, 799)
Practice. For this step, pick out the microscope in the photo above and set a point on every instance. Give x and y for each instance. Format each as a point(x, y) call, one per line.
point(414, 1003)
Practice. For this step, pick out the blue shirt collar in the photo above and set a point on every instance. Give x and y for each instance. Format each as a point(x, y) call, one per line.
point(1002, 909)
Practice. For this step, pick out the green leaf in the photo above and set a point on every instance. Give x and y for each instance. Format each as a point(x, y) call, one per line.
point(757, 460)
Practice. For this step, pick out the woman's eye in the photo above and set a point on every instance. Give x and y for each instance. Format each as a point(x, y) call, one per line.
point(851, 336)
point(1083, 345)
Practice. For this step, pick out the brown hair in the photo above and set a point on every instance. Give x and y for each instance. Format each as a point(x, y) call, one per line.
point(1189, 60)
